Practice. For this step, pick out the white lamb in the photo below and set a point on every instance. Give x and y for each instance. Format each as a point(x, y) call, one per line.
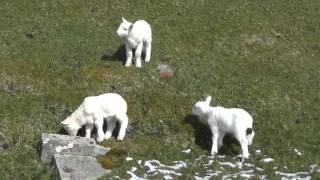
point(223, 120)
point(93, 111)
point(136, 36)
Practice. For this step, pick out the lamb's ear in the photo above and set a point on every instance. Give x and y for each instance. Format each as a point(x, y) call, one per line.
point(208, 100)
point(124, 20)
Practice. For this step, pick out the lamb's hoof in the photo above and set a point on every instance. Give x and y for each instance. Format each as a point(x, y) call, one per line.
point(119, 138)
point(100, 139)
point(245, 156)
point(107, 137)
point(127, 64)
point(212, 153)
point(138, 66)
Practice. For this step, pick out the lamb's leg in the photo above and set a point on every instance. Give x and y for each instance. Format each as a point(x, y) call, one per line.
point(129, 56)
point(89, 128)
point(215, 137)
point(148, 51)
point(241, 137)
point(99, 125)
point(111, 124)
point(220, 140)
point(123, 120)
point(138, 54)
point(244, 147)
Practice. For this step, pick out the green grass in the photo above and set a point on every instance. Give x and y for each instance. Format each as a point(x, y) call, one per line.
point(262, 56)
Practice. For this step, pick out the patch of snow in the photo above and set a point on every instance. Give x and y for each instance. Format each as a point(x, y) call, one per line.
point(133, 169)
point(267, 160)
point(60, 148)
point(167, 177)
point(297, 178)
point(151, 167)
point(116, 177)
point(298, 152)
point(210, 162)
point(201, 178)
point(228, 164)
point(259, 169)
point(245, 174)
point(239, 164)
point(178, 165)
point(208, 176)
point(186, 151)
point(135, 177)
point(262, 177)
point(239, 156)
point(155, 167)
point(168, 172)
point(294, 175)
point(129, 159)
point(199, 158)
point(258, 152)
point(313, 168)
point(248, 165)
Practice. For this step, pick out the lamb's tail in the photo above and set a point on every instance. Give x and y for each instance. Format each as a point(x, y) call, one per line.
point(249, 134)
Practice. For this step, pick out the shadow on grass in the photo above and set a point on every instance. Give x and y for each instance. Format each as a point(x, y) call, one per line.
point(203, 136)
point(119, 55)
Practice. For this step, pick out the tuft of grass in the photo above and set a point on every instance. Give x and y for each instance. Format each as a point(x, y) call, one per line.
point(113, 159)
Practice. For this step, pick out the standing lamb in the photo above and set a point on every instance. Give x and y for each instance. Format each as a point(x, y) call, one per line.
point(223, 120)
point(93, 111)
point(136, 36)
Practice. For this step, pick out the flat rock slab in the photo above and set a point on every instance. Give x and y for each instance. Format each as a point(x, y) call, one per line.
point(73, 145)
point(78, 167)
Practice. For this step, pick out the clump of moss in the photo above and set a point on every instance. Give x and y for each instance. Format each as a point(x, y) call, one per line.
point(113, 159)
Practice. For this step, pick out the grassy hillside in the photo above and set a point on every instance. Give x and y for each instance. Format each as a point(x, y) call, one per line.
point(262, 56)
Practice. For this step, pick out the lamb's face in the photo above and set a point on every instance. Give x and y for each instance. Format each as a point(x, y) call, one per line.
point(124, 28)
point(200, 107)
point(70, 127)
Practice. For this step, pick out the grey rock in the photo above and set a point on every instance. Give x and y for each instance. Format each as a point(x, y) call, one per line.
point(165, 70)
point(63, 144)
point(69, 167)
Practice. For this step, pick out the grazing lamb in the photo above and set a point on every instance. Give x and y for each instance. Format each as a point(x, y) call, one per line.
point(93, 111)
point(136, 36)
point(222, 120)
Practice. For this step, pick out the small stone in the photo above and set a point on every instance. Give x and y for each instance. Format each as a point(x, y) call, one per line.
point(78, 167)
point(165, 70)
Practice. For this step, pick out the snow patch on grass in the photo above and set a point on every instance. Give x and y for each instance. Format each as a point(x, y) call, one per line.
point(267, 160)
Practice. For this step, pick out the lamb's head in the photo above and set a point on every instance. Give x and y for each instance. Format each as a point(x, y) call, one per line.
point(200, 107)
point(71, 126)
point(124, 28)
